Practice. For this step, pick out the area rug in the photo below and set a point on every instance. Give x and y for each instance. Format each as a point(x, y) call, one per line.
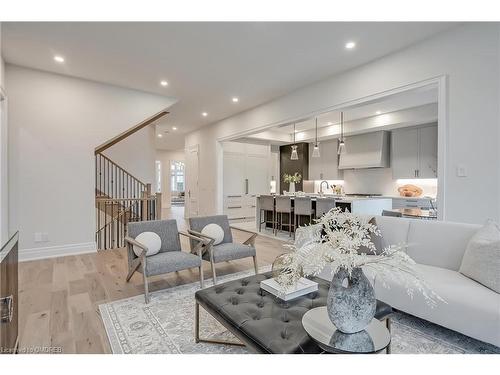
point(166, 325)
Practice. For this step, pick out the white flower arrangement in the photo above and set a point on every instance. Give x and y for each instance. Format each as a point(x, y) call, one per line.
point(336, 239)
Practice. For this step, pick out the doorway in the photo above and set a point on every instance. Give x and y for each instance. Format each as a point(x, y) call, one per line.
point(192, 178)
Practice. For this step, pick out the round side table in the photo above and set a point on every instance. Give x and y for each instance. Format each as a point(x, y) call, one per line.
point(373, 339)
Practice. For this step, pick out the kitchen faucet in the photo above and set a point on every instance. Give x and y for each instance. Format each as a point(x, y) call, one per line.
point(321, 187)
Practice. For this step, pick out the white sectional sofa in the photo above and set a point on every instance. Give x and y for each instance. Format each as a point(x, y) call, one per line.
point(438, 248)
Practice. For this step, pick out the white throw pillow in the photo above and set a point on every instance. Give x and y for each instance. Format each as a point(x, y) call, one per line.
point(149, 239)
point(481, 261)
point(215, 231)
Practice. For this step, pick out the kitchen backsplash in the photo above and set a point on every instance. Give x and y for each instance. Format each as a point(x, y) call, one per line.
point(375, 181)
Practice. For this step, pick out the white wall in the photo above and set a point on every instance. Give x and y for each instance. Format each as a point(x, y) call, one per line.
point(55, 123)
point(468, 55)
point(2, 63)
point(166, 157)
point(136, 154)
point(4, 197)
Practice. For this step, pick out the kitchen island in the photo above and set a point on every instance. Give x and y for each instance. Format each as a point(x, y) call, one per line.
point(362, 205)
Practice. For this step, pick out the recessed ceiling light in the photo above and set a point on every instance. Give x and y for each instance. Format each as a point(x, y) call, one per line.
point(164, 83)
point(59, 59)
point(330, 123)
point(378, 112)
point(350, 45)
point(174, 127)
point(235, 100)
point(204, 114)
point(160, 135)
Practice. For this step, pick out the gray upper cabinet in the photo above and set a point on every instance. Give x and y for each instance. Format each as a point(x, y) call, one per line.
point(414, 152)
point(326, 166)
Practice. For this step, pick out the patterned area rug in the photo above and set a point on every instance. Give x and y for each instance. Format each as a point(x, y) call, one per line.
point(166, 325)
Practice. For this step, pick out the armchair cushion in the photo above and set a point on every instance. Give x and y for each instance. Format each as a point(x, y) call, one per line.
point(166, 229)
point(149, 239)
point(215, 231)
point(170, 261)
point(198, 223)
point(230, 251)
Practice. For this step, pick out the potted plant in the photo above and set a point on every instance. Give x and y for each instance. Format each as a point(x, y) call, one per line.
point(292, 179)
point(344, 241)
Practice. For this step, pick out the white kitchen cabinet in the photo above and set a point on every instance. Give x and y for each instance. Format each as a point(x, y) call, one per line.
point(414, 152)
point(407, 202)
point(427, 152)
point(326, 166)
point(245, 175)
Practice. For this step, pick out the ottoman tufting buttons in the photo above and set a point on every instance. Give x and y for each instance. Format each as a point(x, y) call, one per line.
point(234, 300)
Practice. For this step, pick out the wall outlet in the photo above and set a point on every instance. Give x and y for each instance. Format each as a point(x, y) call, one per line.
point(41, 237)
point(461, 170)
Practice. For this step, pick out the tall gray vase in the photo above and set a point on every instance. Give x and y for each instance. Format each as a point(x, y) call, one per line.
point(351, 308)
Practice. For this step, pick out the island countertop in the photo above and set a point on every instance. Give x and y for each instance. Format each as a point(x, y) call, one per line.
point(341, 198)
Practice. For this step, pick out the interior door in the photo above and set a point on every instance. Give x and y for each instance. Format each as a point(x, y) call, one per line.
point(192, 187)
point(9, 301)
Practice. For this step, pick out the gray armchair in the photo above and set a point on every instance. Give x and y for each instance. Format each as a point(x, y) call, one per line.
point(170, 258)
point(227, 249)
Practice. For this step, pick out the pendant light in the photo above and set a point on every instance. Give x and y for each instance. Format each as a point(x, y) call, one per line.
point(341, 149)
point(315, 153)
point(295, 155)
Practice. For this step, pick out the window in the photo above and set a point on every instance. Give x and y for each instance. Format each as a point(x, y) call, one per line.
point(177, 176)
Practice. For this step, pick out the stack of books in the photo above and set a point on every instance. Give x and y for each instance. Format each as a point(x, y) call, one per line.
point(303, 286)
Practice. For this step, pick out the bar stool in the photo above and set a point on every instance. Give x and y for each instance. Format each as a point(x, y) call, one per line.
point(284, 206)
point(302, 206)
point(267, 205)
point(323, 205)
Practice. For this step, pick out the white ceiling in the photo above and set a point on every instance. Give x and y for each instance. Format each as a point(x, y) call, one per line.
point(393, 103)
point(206, 64)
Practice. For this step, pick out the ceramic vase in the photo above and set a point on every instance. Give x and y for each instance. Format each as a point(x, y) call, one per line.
point(292, 187)
point(351, 301)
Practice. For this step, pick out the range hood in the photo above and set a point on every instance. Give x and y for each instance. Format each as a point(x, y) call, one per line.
point(370, 150)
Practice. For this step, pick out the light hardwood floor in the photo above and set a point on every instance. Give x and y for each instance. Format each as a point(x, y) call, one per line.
point(59, 297)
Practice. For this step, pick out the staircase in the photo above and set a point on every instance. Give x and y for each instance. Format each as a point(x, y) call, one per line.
point(119, 196)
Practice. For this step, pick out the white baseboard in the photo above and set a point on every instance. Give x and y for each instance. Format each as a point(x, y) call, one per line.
point(56, 251)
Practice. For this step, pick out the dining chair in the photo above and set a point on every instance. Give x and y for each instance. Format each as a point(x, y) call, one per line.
point(284, 206)
point(266, 203)
point(323, 205)
point(302, 206)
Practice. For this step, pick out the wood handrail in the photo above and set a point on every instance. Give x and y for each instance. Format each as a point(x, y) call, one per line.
point(120, 137)
point(123, 169)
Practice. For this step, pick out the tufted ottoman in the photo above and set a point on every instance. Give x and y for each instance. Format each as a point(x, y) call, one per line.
point(262, 322)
